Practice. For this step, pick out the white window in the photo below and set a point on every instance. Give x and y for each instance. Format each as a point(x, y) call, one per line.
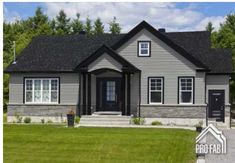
point(186, 90)
point(41, 90)
point(144, 48)
point(156, 90)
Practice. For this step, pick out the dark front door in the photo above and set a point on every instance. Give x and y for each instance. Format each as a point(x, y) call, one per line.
point(108, 94)
point(216, 104)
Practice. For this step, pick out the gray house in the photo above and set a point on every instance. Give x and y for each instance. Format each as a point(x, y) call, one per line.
point(172, 77)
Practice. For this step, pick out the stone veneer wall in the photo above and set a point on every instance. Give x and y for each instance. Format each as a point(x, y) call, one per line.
point(40, 110)
point(173, 111)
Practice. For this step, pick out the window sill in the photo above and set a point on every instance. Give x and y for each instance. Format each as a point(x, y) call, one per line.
point(41, 103)
point(139, 55)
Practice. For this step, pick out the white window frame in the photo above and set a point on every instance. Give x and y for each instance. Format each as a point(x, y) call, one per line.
point(41, 91)
point(150, 91)
point(192, 90)
point(139, 46)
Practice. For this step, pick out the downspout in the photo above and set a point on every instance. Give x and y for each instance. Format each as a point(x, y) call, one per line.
point(79, 100)
point(205, 99)
point(139, 92)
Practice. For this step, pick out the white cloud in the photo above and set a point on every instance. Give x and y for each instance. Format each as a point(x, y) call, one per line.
point(10, 16)
point(216, 21)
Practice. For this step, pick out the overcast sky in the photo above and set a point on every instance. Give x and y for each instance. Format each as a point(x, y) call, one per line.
point(172, 16)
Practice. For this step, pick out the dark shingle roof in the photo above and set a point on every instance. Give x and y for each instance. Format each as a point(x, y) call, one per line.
point(59, 53)
point(64, 53)
point(198, 44)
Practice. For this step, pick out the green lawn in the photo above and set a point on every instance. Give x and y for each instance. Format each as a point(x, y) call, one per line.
point(50, 143)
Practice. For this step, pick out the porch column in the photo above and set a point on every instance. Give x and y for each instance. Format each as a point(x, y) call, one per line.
point(84, 93)
point(123, 93)
point(89, 95)
point(128, 94)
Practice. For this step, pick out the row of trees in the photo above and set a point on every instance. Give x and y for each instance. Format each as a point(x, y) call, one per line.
point(225, 38)
point(23, 31)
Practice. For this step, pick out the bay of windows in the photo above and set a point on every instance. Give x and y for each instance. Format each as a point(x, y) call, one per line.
point(41, 90)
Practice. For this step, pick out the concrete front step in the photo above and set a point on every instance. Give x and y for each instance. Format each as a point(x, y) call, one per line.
point(104, 116)
point(107, 113)
point(106, 119)
point(88, 120)
point(103, 123)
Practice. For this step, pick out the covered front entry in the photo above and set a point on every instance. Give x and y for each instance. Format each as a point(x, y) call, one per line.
point(108, 94)
point(105, 83)
point(216, 105)
point(105, 90)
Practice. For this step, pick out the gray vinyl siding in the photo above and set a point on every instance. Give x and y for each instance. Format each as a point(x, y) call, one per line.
point(165, 62)
point(69, 84)
point(105, 61)
point(220, 82)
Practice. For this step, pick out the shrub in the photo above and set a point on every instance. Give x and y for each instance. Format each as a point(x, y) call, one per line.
point(199, 124)
point(42, 120)
point(27, 120)
point(4, 118)
point(156, 123)
point(71, 112)
point(49, 121)
point(18, 118)
point(77, 119)
point(138, 121)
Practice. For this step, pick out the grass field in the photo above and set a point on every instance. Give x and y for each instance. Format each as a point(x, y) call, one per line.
point(51, 143)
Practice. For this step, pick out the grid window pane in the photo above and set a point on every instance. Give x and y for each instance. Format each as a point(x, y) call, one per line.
point(143, 48)
point(29, 96)
point(29, 84)
point(46, 84)
point(156, 97)
point(54, 96)
point(156, 85)
point(37, 96)
point(37, 84)
point(186, 97)
point(54, 85)
point(45, 96)
point(186, 90)
point(41, 90)
point(144, 51)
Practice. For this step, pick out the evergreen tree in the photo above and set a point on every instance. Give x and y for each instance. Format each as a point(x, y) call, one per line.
point(98, 26)
point(39, 18)
point(209, 27)
point(77, 25)
point(88, 26)
point(114, 27)
point(53, 26)
point(62, 23)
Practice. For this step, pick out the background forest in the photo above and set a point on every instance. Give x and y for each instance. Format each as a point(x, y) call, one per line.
point(23, 31)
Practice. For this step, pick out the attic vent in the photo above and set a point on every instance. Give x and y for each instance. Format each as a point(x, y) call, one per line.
point(82, 32)
point(163, 30)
